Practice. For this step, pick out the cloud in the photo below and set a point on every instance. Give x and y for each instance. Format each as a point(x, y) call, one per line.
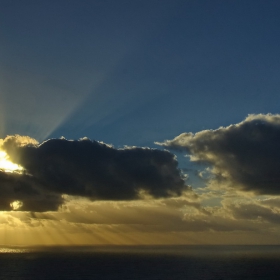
point(85, 168)
point(144, 216)
point(246, 155)
point(27, 189)
point(255, 212)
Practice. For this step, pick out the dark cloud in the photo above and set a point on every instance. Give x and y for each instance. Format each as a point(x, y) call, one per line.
point(246, 154)
point(27, 189)
point(85, 168)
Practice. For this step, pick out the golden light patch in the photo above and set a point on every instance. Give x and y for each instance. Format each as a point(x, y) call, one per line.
point(15, 205)
point(7, 166)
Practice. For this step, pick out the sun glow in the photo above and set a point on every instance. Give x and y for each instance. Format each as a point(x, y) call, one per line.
point(15, 205)
point(7, 166)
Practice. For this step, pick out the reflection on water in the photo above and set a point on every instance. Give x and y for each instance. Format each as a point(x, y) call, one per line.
point(179, 250)
point(13, 250)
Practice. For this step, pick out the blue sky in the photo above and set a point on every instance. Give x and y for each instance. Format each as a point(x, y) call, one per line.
point(135, 72)
point(141, 73)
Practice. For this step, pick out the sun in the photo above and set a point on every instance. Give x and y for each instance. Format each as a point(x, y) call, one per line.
point(7, 166)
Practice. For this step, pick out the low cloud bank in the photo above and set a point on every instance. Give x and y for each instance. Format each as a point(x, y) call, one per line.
point(84, 168)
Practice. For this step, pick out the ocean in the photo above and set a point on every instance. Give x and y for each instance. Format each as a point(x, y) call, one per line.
point(140, 262)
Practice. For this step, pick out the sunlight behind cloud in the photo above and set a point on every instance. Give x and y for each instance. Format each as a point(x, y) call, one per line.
point(7, 166)
point(15, 205)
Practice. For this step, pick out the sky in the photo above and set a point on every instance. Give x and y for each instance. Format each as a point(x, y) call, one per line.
point(139, 122)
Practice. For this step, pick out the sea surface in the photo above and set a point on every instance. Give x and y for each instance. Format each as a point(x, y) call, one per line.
point(140, 262)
